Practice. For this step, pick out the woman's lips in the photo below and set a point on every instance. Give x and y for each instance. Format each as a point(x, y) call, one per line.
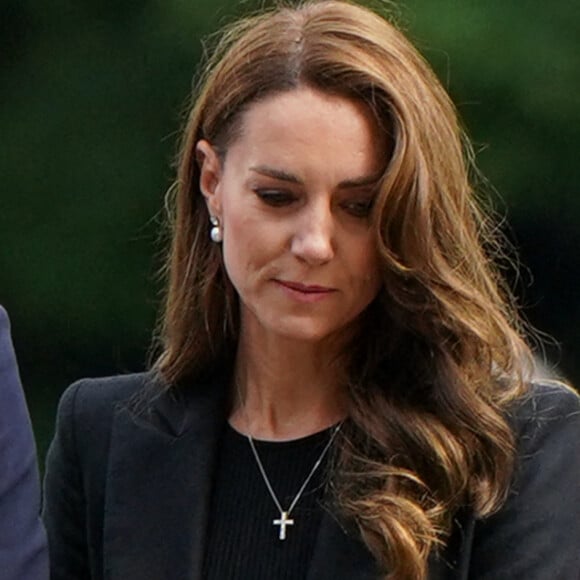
point(305, 292)
point(304, 287)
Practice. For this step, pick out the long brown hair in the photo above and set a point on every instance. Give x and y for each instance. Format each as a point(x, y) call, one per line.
point(440, 356)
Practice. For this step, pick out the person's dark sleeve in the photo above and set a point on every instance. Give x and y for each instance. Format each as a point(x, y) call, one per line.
point(23, 549)
point(64, 509)
point(536, 535)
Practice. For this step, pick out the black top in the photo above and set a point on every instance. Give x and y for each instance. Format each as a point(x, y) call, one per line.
point(243, 541)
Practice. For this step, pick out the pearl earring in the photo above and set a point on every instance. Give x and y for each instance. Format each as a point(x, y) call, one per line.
point(216, 231)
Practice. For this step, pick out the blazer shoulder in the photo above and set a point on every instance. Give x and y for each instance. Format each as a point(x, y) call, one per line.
point(536, 533)
point(92, 402)
point(547, 426)
point(545, 403)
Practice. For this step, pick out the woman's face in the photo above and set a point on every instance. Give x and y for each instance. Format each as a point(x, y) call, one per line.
point(293, 197)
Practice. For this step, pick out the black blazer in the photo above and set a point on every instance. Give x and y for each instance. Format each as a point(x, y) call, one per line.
point(127, 492)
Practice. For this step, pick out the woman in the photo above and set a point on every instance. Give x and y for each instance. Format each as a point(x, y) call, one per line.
point(23, 547)
point(341, 391)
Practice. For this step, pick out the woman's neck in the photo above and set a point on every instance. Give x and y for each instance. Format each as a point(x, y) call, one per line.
point(285, 389)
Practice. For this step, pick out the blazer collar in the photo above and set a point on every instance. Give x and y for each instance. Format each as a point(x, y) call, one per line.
point(161, 461)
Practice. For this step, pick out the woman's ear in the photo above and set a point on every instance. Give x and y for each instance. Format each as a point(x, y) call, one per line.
point(209, 175)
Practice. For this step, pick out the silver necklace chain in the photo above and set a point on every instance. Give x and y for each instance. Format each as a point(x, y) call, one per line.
point(285, 519)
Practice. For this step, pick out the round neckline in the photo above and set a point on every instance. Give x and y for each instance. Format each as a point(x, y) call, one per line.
point(307, 440)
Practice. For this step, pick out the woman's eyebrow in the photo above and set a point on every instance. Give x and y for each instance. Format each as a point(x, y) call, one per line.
point(282, 175)
point(361, 181)
point(276, 174)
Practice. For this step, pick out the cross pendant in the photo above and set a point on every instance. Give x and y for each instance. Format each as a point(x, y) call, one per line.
point(283, 522)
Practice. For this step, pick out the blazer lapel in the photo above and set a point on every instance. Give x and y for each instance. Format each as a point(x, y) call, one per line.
point(159, 485)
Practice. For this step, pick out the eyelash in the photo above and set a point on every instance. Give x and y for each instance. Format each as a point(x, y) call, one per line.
point(274, 198)
point(360, 209)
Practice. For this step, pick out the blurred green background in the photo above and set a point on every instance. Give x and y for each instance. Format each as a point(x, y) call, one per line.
point(92, 94)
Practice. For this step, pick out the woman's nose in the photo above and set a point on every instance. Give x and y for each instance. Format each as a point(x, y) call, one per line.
point(313, 241)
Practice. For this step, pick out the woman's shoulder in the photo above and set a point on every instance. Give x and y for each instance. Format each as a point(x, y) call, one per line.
point(89, 404)
point(104, 393)
point(86, 413)
point(547, 426)
point(93, 403)
point(545, 402)
point(536, 533)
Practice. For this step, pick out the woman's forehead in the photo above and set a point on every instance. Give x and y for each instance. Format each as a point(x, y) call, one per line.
point(306, 121)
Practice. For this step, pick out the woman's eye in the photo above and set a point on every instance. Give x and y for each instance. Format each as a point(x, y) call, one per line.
point(275, 198)
point(359, 208)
